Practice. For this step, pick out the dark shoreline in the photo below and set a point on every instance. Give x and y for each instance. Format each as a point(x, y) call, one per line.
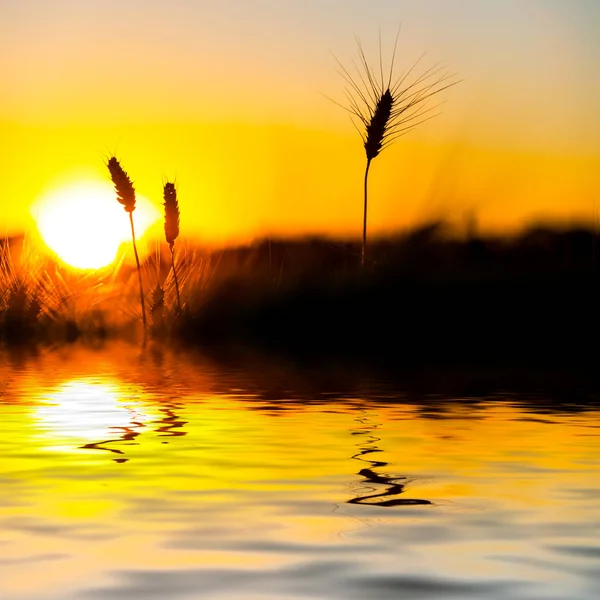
point(544, 321)
point(424, 299)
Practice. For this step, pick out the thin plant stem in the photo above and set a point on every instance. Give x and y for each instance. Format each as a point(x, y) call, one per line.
point(364, 239)
point(172, 247)
point(137, 260)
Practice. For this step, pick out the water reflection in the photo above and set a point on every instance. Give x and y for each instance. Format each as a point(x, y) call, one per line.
point(234, 479)
point(171, 425)
point(383, 489)
point(88, 409)
point(128, 435)
point(106, 413)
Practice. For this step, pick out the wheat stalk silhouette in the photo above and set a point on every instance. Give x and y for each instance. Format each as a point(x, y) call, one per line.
point(172, 229)
point(384, 108)
point(126, 196)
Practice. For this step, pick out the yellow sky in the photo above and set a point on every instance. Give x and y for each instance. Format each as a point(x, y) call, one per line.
point(228, 97)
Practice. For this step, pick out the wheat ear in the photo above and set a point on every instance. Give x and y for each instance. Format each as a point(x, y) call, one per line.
point(172, 229)
point(126, 196)
point(387, 108)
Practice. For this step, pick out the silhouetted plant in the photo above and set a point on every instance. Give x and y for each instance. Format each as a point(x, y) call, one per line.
point(157, 310)
point(172, 229)
point(126, 196)
point(388, 108)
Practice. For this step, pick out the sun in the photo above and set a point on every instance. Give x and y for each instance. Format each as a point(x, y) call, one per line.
point(85, 225)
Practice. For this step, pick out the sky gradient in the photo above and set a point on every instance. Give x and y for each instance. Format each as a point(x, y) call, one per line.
point(228, 96)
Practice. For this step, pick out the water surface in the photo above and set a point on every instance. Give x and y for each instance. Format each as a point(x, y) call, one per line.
point(141, 474)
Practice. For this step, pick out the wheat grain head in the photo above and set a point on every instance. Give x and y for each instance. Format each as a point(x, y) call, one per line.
point(387, 108)
point(123, 185)
point(171, 213)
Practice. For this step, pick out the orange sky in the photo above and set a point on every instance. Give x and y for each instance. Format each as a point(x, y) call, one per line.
point(228, 97)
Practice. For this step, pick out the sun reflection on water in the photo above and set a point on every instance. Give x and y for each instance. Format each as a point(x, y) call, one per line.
point(90, 410)
point(240, 484)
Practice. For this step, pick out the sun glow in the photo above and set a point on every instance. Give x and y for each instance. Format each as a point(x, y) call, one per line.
point(86, 409)
point(85, 225)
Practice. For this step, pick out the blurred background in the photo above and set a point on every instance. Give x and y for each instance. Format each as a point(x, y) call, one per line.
point(228, 97)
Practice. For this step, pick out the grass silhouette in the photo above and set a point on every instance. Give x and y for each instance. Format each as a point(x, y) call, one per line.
point(429, 295)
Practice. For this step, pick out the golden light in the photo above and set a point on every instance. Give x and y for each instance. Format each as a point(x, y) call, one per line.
point(85, 225)
point(89, 410)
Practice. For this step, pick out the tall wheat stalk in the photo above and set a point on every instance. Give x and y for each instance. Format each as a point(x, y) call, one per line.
point(388, 107)
point(172, 229)
point(126, 196)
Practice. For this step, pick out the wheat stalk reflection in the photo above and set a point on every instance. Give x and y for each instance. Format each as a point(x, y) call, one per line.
point(108, 417)
point(393, 486)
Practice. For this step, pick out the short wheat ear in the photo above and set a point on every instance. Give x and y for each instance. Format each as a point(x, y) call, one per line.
point(382, 111)
point(172, 229)
point(123, 185)
point(126, 196)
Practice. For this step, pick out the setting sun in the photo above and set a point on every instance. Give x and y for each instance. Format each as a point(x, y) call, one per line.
point(84, 224)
